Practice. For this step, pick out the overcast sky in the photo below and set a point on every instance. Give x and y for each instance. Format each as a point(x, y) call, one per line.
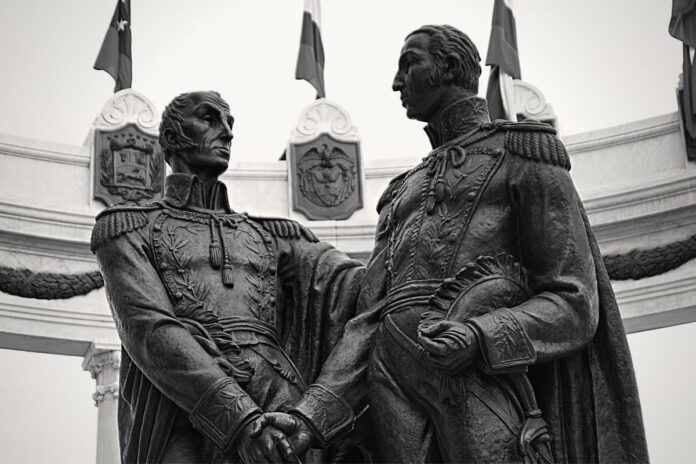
point(599, 63)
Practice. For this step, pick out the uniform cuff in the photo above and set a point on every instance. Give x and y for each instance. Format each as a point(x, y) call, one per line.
point(326, 414)
point(222, 412)
point(505, 345)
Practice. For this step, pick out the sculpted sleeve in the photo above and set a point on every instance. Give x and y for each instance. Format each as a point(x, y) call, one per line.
point(562, 315)
point(339, 391)
point(158, 343)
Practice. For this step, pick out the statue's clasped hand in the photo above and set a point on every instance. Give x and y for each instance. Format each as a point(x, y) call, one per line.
point(450, 346)
point(278, 437)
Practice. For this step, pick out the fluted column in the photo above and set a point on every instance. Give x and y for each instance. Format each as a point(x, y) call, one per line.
point(103, 363)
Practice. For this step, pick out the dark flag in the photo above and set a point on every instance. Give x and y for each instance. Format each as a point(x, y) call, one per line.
point(310, 60)
point(115, 53)
point(504, 61)
point(682, 26)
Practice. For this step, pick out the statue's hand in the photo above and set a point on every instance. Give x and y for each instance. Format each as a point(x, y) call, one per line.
point(263, 445)
point(451, 346)
point(298, 433)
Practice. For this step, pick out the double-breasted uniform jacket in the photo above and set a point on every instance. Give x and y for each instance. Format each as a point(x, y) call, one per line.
point(221, 316)
point(492, 189)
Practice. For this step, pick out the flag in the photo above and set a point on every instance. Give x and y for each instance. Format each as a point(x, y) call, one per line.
point(682, 26)
point(115, 53)
point(504, 61)
point(310, 59)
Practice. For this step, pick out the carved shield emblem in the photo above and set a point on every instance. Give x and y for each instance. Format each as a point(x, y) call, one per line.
point(326, 178)
point(129, 166)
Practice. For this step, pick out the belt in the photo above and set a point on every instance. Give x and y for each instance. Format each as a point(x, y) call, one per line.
point(235, 324)
point(408, 295)
point(247, 331)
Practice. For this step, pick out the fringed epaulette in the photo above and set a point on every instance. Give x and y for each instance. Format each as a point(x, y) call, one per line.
point(116, 221)
point(394, 184)
point(534, 141)
point(285, 228)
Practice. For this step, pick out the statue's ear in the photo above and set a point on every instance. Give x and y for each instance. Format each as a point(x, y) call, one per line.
point(450, 69)
point(169, 136)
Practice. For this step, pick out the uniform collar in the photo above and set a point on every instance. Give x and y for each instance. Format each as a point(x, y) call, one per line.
point(457, 119)
point(186, 190)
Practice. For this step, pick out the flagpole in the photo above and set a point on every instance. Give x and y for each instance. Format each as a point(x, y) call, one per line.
point(507, 86)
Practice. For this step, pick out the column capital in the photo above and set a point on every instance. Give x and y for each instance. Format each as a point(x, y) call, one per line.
point(100, 356)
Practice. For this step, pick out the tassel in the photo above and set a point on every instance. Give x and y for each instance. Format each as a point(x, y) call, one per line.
point(215, 250)
point(440, 189)
point(215, 254)
point(227, 277)
point(430, 204)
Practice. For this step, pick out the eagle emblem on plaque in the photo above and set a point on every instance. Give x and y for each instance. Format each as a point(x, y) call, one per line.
point(326, 178)
point(129, 166)
point(324, 164)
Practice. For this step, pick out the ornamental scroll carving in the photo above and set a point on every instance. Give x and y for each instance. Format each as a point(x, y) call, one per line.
point(530, 103)
point(128, 107)
point(324, 117)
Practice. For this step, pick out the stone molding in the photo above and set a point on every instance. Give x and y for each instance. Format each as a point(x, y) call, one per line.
point(623, 134)
point(323, 116)
point(41, 222)
point(630, 212)
point(44, 151)
point(660, 301)
point(49, 326)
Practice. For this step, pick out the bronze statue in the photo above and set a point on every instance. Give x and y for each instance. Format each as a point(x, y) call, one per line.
point(487, 329)
point(221, 314)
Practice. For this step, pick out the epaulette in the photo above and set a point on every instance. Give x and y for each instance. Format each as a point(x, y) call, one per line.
point(116, 221)
point(285, 228)
point(534, 140)
point(389, 191)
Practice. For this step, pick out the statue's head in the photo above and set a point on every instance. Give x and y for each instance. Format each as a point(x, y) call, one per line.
point(196, 134)
point(437, 65)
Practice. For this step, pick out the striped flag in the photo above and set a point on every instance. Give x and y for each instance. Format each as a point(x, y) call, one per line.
point(504, 61)
point(310, 59)
point(682, 26)
point(115, 53)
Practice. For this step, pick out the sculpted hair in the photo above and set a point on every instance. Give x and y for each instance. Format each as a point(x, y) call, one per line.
point(446, 40)
point(171, 134)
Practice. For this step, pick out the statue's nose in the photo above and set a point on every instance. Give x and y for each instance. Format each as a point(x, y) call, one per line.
point(398, 83)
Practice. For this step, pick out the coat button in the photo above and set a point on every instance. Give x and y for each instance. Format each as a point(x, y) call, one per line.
point(471, 195)
point(163, 266)
point(178, 295)
point(157, 227)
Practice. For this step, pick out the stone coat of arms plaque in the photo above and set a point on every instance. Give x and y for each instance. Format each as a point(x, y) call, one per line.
point(129, 166)
point(324, 164)
point(327, 178)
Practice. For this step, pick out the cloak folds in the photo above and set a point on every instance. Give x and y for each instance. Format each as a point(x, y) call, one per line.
point(316, 304)
point(590, 398)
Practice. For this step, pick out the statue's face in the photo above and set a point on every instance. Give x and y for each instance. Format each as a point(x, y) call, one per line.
point(421, 98)
point(208, 123)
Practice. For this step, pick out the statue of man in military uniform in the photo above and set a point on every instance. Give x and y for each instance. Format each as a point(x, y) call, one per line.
point(222, 315)
point(487, 328)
